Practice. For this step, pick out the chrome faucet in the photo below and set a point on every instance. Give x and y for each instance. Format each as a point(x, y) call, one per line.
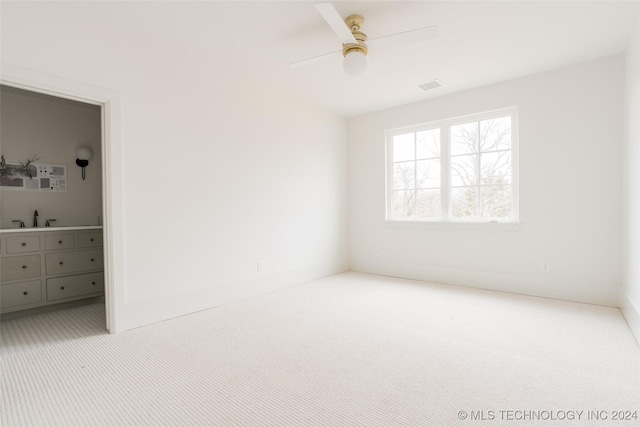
point(35, 218)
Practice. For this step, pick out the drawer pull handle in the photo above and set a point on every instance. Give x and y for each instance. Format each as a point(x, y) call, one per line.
point(24, 267)
point(92, 259)
point(23, 244)
point(91, 240)
point(60, 241)
point(61, 263)
point(25, 293)
point(62, 288)
point(93, 283)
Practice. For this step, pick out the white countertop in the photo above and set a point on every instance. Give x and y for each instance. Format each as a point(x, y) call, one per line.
point(39, 229)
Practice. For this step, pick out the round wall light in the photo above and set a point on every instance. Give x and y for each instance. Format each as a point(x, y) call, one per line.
point(83, 155)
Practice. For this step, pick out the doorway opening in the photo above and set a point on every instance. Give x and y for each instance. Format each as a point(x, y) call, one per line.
point(88, 262)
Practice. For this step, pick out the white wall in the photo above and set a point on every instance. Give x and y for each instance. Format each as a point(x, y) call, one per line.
point(51, 128)
point(570, 132)
point(219, 171)
point(630, 296)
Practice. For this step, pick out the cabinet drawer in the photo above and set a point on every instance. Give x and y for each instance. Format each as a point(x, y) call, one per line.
point(19, 267)
point(71, 262)
point(20, 244)
point(20, 294)
point(59, 241)
point(90, 240)
point(73, 286)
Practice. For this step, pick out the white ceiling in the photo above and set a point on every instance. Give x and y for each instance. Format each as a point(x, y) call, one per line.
point(479, 42)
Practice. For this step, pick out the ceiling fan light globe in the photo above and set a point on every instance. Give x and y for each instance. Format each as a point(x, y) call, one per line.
point(354, 63)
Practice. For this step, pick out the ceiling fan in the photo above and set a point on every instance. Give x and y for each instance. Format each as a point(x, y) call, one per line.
point(355, 45)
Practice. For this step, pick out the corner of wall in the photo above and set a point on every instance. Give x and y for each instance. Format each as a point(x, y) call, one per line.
point(630, 290)
point(631, 314)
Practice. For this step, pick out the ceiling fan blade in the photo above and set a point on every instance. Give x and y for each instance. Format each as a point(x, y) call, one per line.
point(335, 54)
point(404, 37)
point(335, 21)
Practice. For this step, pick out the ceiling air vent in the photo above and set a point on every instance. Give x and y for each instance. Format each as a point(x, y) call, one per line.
point(430, 85)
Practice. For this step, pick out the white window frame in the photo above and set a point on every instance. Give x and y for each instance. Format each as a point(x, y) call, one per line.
point(445, 165)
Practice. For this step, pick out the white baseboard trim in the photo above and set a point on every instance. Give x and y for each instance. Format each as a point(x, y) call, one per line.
point(142, 313)
point(631, 314)
point(545, 286)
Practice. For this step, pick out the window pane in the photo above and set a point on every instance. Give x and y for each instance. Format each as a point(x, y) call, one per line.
point(463, 170)
point(464, 139)
point(404, 204)
point(477, 159)
point(428, 173)
point(496, 201)
point(495, 134)
point(404, 147)
point(428, 204)
point(464, 202)
point(428, 144)
point(496, 167)
point(404, 175)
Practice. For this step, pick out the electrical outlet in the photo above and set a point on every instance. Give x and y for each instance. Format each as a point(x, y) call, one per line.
point(260, 266)
point(545, 267)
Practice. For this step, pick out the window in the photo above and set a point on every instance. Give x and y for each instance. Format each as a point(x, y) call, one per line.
point(460, 169)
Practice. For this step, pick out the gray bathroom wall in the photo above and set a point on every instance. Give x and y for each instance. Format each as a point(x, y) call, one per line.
point(51, 128)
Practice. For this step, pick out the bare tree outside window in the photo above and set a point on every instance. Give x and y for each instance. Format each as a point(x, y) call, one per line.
point(416, 174)
point(477, 171)
point(481, 169)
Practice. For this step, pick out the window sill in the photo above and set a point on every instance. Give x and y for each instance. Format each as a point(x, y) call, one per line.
point(454, 225)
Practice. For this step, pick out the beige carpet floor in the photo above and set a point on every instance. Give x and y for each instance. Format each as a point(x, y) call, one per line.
point(347, 350)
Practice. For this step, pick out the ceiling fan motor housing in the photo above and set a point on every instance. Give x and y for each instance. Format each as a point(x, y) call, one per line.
point(354, 22)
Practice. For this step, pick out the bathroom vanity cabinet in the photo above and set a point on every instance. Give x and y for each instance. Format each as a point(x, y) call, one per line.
point(44, 267)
